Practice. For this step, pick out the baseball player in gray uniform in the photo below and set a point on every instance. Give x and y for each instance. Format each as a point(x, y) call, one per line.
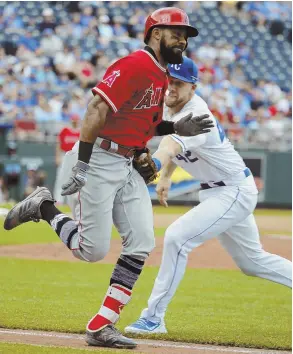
point(228, 197)
point(125, 112)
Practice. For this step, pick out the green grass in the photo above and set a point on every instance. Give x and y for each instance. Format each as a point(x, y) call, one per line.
point(10, 348)
point(179, 209)
point(28, 233)
point(41, 233)
point(211, 306)
point(174, 209)
point(31, 233)
point(64, 209)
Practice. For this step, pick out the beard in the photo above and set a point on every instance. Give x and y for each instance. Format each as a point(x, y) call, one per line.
point(171, 55)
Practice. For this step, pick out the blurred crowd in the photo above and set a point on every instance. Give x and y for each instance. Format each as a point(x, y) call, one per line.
point(50, 60)
point(260, 109)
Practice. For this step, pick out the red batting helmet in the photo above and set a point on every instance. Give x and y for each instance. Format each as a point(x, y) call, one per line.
point(168, 16)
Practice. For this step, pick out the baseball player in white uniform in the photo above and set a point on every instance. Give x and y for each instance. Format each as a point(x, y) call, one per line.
point(227, 197)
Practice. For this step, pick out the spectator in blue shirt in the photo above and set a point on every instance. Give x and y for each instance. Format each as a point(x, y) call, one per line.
point(87, 16)
point(13, 21)
point(28, 41)
point(242, 52)
point(241, 107)
point(50, 76)
point(23, 99)
point(119, 28)
point(76, 26)
point(105, 29)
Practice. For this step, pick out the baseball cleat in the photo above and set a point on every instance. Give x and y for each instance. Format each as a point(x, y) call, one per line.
point(109, 337)
point(28, 209)
point(144, 326)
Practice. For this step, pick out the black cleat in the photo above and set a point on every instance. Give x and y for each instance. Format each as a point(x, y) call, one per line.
point(28, 209)
point(109, 337)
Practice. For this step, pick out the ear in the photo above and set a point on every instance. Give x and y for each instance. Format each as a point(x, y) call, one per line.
point(157, 33)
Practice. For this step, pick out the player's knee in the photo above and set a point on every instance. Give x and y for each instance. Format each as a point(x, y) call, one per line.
point(152, 244)
point(140, 250)
point(248, 271)
point(171, 236)
point(246, 266)
point(90, 254)
point(149, 246)
point(97, 255)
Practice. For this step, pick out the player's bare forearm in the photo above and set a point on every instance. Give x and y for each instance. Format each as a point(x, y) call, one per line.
point(167, 150)
point(168, 170)
point(94, 119)
point(92, 124)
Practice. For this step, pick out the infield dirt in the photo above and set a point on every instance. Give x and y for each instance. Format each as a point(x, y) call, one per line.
point(209, 255)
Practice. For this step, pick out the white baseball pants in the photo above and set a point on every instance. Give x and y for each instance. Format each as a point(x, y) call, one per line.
point(59, 182)
point(225, 212)
point(114, 193)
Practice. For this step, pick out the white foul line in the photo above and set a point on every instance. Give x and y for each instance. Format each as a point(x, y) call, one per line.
point(148, 342)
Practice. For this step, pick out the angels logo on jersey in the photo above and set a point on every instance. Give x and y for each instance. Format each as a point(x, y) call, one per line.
point(109, 80)
point(150, 98)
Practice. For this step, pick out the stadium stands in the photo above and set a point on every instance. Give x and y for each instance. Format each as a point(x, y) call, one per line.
point(50, 50)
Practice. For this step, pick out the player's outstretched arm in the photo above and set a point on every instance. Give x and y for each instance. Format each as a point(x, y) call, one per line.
point(167, 150)
point(149, 165)
point(164, 183)
point(192, 126)
point(187, 126)
point(93, 122)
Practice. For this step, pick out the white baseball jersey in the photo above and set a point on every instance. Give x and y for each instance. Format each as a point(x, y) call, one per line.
point(223, 212)
point(208, 157)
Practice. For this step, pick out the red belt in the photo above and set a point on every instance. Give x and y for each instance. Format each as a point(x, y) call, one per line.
point(115, 148)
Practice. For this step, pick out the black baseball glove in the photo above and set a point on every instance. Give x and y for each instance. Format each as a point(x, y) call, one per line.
point(145, 166)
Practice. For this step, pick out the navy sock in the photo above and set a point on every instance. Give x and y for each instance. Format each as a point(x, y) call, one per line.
point(126, 271)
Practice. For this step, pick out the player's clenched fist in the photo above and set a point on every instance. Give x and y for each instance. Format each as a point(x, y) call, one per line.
point(77, 179)
point(190, 126)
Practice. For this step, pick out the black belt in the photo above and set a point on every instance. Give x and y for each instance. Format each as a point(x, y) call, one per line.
point(206, 186)
point(246, 172)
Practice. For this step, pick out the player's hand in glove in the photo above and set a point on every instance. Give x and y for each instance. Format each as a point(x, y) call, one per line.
point(162, 190)
point(190, 126)
point(146, 166)
point(77, 179)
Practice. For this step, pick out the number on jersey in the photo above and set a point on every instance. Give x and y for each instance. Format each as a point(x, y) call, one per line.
point(187, 157)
